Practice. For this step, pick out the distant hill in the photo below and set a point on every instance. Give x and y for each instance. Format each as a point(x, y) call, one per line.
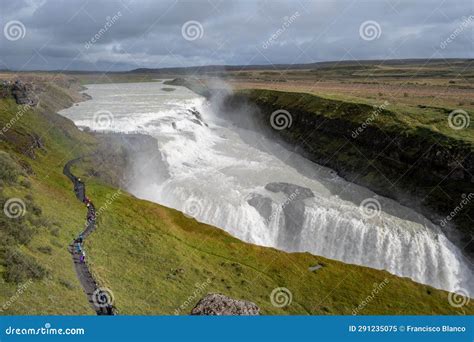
point(316, 65)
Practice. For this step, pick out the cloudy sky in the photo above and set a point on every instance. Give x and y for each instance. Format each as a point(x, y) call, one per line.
point(123, 34)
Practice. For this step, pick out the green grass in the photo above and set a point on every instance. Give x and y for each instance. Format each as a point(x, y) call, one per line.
point(62, 214)
point(394, 117)
point(154, 258)
point(140, 245)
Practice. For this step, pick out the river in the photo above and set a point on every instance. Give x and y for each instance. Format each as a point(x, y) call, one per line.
point(262, 193)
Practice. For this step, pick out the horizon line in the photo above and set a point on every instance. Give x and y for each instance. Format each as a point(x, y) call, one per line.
point(242, 66)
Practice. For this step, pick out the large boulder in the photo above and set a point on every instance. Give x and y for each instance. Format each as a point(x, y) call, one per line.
point(289, 236)
point(215, 304)
point(24, 93)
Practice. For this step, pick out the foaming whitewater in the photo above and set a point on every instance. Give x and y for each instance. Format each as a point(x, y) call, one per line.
point(262, 193)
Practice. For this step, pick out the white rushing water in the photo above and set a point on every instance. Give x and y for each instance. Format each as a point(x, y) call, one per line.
point(264, 194)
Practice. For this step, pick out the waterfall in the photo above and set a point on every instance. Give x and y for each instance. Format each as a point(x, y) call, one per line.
point(264, 194)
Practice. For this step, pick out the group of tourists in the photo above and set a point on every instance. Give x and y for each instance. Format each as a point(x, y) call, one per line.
point(78, 242)
point(79, 249)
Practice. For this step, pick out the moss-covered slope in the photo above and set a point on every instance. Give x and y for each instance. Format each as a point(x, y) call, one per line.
point(154, 259)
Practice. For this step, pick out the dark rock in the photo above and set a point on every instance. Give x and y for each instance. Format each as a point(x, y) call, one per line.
point(292, 190)
point(290, 235)
point(24, 93)
point(215, 304)
point(293, 211)
point(196, 122)
point(198, 117)
point(262, 204)
point(196, 113)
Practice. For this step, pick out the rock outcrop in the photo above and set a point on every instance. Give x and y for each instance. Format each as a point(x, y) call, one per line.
point(23, 92)
point(289, 236)
point(293, 210)
point(262, 204)
point(293, 191)
point(215, 304)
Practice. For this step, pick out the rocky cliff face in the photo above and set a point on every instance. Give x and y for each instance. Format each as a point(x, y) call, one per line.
point(220, 305)
point(24, 93)
point(418, 167)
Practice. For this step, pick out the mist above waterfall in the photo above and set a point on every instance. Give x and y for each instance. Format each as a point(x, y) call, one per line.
point(215, 166)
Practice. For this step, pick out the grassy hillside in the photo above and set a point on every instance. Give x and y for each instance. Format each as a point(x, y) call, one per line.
point(154, 259)
point(392, 118)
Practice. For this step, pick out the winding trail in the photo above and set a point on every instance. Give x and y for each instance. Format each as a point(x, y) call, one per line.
point(99, 298)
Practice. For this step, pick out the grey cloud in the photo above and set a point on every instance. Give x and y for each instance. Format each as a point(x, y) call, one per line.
point(148, 33)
